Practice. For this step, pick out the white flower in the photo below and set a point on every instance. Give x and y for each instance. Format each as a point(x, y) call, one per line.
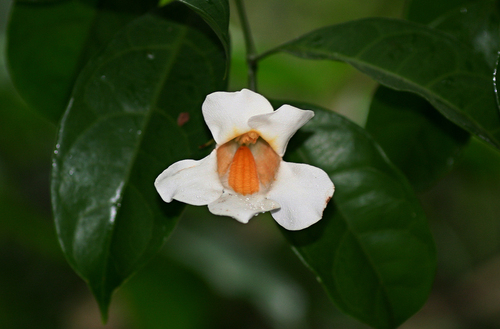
point(245, 174)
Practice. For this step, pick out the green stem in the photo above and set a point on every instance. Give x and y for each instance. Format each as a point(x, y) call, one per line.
point(249, 45)
point(267, 53)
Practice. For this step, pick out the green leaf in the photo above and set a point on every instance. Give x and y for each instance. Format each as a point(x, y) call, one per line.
point(423, 144)
point(164, 2)
point(216, 14)
point(425, 11)
point(167, 295)
point(49, 43)
point(410, 57)
point(476, 24)
point(121, 129)
point(373, 250)
point(495, 80)
point(417, 139)
point(44, 58)
point(37, 1)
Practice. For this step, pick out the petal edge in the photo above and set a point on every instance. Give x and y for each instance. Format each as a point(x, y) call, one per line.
point(242, 208)
point(279, 126)
point(195, 182)
point(303, 191)
point(227, 113)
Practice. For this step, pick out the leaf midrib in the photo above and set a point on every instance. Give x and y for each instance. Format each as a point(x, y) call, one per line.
point(428, 94)
point(422, 90)
point(176, 46)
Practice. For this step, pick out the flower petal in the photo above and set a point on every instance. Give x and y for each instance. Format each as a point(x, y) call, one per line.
point(190, 181)
point(303, 191)
point(279, 126)
point(241, 207)
point(227, 114)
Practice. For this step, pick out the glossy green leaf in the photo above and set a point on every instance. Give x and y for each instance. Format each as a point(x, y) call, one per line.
point(422, 143)
point(426, 11)
point(495, 80)
point(49, 43)
point(410, 57)
point(373, 250)
point(44, 58)
point(417, 139)
point(121, 129)
point(37, 1)
point(216, 14)
point(476, 24)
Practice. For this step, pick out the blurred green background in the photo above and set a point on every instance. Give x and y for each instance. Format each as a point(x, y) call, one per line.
point(215, 272)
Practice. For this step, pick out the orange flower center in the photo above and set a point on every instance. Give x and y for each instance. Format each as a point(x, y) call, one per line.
point(243, 177)
point(248, 163)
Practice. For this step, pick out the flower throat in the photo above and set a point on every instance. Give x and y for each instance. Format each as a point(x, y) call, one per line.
point(251, 166)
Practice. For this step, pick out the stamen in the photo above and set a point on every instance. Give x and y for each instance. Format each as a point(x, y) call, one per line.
point(247, 138)
point(243, 177)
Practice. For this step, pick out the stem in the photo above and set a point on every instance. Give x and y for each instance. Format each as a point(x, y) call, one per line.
point(267, 53)
point(249, 45)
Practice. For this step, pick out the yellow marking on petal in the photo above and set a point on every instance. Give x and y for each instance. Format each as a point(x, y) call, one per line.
point(271, 141)
point(272, 144)
point(235, 134)
point(243, 177)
